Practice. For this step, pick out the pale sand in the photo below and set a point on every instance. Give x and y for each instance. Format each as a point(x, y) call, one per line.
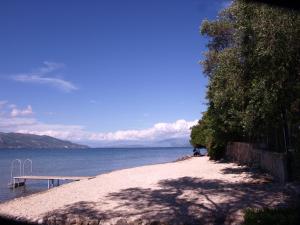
point(192, 190)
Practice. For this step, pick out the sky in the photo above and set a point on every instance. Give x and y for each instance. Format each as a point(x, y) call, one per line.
point(103, 71)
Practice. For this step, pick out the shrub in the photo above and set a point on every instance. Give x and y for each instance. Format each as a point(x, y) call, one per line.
point(280, 216)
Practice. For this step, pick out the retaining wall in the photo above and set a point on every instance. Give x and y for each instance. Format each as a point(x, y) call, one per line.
point(272, 162)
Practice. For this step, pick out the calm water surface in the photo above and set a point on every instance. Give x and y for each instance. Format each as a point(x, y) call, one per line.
point(77, 162)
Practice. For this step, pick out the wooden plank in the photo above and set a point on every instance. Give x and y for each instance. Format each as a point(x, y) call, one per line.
point(54, 177)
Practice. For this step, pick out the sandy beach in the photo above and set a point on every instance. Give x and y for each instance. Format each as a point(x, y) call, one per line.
point(192, 191)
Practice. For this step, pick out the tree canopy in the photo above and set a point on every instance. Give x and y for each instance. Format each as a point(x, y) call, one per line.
point(253, 67)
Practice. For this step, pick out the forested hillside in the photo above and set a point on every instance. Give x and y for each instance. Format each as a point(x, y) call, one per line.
point(31, 141)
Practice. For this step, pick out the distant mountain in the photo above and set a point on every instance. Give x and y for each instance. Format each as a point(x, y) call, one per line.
point(175, 142)
point(171, 142)
point(18, 140)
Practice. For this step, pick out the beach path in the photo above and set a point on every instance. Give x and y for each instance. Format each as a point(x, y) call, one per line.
point(193, 191)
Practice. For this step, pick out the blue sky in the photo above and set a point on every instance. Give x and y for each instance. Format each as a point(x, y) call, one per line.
point(95, 67)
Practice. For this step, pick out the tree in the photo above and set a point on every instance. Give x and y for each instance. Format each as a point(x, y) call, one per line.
point(253, 66)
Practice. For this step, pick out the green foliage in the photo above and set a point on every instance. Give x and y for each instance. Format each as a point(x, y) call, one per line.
point(283, 216)
point(253, 66)
point(198, 136)
point(206, 134)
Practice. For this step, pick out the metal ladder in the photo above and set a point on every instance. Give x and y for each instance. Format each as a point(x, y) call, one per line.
point(24, 163)
point(13, 183)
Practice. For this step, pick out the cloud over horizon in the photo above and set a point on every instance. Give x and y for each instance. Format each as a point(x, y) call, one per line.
point(21, 112)
point(44, 75)
point(23, 122)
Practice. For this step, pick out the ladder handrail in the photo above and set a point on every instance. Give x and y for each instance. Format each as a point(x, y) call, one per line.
point(30, 161)
point(12, 168)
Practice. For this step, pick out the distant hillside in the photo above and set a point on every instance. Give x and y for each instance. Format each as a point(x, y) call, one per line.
point(18, 140)
point(175, 142)
point(171, 142)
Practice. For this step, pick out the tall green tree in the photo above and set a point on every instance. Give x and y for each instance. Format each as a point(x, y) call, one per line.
point(253, 66)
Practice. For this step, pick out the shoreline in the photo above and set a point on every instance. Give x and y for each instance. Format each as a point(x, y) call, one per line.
point(187, 190)
point(183, 158)
point(88, 163)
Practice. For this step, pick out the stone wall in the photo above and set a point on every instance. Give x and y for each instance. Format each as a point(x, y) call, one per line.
point(272, 162)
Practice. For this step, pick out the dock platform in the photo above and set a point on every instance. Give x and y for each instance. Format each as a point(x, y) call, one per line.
point(21, 180)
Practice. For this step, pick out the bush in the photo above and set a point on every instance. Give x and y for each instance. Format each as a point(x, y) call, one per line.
point(216, 150)
point(281, 216)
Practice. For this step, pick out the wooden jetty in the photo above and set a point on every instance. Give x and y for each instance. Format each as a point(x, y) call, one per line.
point(21, 180)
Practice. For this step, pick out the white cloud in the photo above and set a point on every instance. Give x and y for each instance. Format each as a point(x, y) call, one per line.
point(21, 112)
point(159, 131)
point(56, 82)
point(41, 76)
point(49, 67)
point(12, 124)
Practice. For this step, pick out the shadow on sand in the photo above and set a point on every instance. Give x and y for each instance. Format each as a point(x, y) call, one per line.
point(184, 201)
point(8, 221)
